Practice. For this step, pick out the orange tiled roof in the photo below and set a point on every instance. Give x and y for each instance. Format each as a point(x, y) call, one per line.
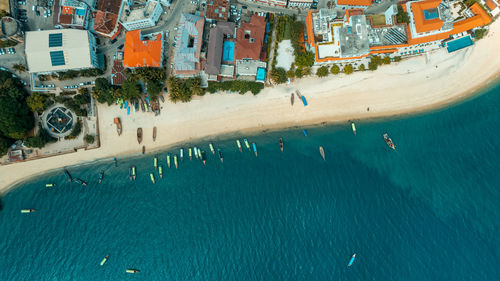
point(250, 38)
point(140, 53)
point(105, 22)
point(491, 5)
point(353, 12)
point(421, 24)
point(67, 10)
point(354, 2)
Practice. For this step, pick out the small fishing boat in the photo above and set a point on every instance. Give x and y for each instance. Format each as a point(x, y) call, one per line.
point(80, 181)
point(212, 148)
point(131, 270)
point(352, 260)
point(254, 149)
point(220, 155)
point(246, 143)
point(168, 160)
point(182, 154)
point(136, 106)
point(175, 161)
point(155, 162)
point(139, 135)
point(154, 133)
point(162, 98)
point(238, 144)
point(304, 101)
point(199, 152)
point(304, 132)
point(128, 110)
point(70, 178)
point(203, 157)
point(152, 177)
point(132, 173)
point(281, 144)
point(389, 141)
point(25, 211)
point(116, 161)
point(50, 184)
point(101, 177)
point(298, 94)
point(322, 152)
point(292, 98)
point(118, 124)
point(196, 152)
point(190, 153)
point(143, 149)
point(104, 260)
point(353, 126)
point(142, 106)
point(160, 171)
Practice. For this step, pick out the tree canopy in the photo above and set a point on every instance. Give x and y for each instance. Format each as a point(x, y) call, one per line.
point(278, 75)
point(335, 69)
point(131, 89)
point(402, 16)
point(322, 71)
point(348, 69)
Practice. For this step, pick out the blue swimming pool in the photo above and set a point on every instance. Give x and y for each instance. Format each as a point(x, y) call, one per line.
point(261, 74)
point(228, 51)
point(458, 44)
point(431, 14)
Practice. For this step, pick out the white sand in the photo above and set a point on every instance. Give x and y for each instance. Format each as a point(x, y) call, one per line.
point(285, 56)
point(409, 86)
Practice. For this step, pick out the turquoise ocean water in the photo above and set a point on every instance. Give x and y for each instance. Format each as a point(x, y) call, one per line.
point(428, 211)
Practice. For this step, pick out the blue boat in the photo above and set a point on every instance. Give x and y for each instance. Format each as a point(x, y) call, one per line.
point(304, 132)
point(304, 101)
point(128, 110)
point(352, 260)
point(126, 104)
point(254, 149)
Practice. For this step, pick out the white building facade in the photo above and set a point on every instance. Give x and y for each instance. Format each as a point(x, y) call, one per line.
point(306, 4)
point(134, 16)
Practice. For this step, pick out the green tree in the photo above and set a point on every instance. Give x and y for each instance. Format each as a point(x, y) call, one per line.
point(479, 33)
point(36, 102)
point(19, 67)
point(131, 90)
point(4, 146)
point(387, 60)
point(348, 69)
point(361, 67)
point(306, 71)
point(89, 139)
point(290, 73)
point(402, 16)
point(4, 13)
point(299, 73)
point(305, 59)
point(335, 69)
point(75, 132)
point(278, 75)
point(194, 86)
point(322, 71)
point(40, 140)
point(377, 59)
point(398, 58)
point(372, 66)
point(83, 90)
point(82, 99)
point(103, 92)
point(16, 119)
point(177, 90)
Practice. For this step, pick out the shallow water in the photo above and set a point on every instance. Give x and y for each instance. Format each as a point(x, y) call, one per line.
point(428, 211)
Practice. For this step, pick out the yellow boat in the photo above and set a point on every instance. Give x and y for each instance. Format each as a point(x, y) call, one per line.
point(239, 144)
point(152, 177)
point(175, 161)
point(25, 211)
point(156, 163)
point(212, 148)
point(49, 185)
point(104, 260)
point(190, 154)
point(131, 270)
point(160, 171)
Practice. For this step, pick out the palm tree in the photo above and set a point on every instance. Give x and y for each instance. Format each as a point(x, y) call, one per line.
point(19, 67)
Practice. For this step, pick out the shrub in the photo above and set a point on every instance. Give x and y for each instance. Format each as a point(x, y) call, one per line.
point(278, 75)
point(322, 71)
point(402, 16)
point(398, 58)
point(387, 60)
point(362, 67)
point(372, 66)
point(348, 69)
point(335, 69)
point(75, 132)
point(479, 33)
point(89, 139)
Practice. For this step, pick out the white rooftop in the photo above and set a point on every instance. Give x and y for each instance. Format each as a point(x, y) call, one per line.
point(66, 49)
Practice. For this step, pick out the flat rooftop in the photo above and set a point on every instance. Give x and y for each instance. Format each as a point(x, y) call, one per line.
point(354, 37)
point(137, 11)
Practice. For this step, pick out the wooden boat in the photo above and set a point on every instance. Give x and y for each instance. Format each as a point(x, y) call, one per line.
point(70, 178)
point(212, 148)
point(389, 141)
point(353, 126)
point(322, 152)
point(181, 153)
point(281, 144)
point(196, 152)
point(143, 149)
point(175, 161)
point(292, 98)
point(220, 155)
point(80, 181)
point(139, 135)
point(298, 94)
point(155, 163)
point(190, 153)
point(104, 260)
point(132, 174)
point(152, 178)
point(101, 176)
point(50, 184)
point(118, 124)
point(154, 133)
point(160, 171)
point(131, 270)
point(168, 160)
point(25, 211)
point(142, 106)
point(203, 157)
point(162, 98)
point(246, 143)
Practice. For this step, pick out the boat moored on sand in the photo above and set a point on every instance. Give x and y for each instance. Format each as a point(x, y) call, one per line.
point(26, 211)
point(154, 134)
point(139, 135)
point(389, 141)
point(118, 124)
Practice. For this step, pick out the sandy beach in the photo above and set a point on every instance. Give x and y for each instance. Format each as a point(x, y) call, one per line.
point(413, 85)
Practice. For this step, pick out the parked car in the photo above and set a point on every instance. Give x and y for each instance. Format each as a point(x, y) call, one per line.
point(2, 52)
point(37, 12)
point(171, 66)
point(113, 41)
point(120, 47)
point(243, 7)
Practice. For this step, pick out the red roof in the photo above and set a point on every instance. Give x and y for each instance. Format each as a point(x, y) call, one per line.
point(250, 37)
point(140, 53)
point(354, 2)
point(218, 10)
point(491, 5)
point(421, 24)
point(118, 75)
point(105, 22)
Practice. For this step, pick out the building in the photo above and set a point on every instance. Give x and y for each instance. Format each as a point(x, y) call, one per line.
point(277, 3)
point(106, 18)
point(71, 14)
point(217, 10)
point(251, 70)
point(60, 49)
point(250, 38)
point(219, 49)
point(118, 74)
point(187, 59)
point(353, 4)
point(11, 29)
point(139, 14)
point(143, 50)
point(303, 4)
point(493, 6)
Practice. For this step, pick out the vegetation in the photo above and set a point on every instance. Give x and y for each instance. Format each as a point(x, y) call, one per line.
point(4, 13)
point(178, 90)
point(398, 58)
point(74, 104)
point(306, 71)
point(290, 28)
point(131, 89)
point(91, 72)
point(290, 73)
point(82, 99)
point(19, 67)
point(304, 59)
point(89, 139)
point(298, 73)
point(40, 140)
point(278, 75)
point(7, 43)
point(372, 66)
point(75, 132)
point(335, 69)
point(402, 16)
point(103, 92)
point(479, 33)
point(348, 69)
point(240, 86)
point(361, 67)
point(387, 60)
point(38, 102)
point(16, 120)
point(72, 74)
point(322, 71)
point(4, 145)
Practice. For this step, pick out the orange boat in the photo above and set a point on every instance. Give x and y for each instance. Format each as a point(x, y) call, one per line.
point(118, 125)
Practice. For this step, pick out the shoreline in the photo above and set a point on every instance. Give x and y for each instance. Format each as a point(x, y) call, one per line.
point(431, 82)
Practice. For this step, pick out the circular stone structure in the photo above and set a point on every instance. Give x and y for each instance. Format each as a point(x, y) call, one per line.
point(58, 120)
point(10, 28)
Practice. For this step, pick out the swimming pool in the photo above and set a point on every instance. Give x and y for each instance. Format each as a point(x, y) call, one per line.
point(458, 44)
point(431, 14)
point(261, 74)
point(228, 51)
